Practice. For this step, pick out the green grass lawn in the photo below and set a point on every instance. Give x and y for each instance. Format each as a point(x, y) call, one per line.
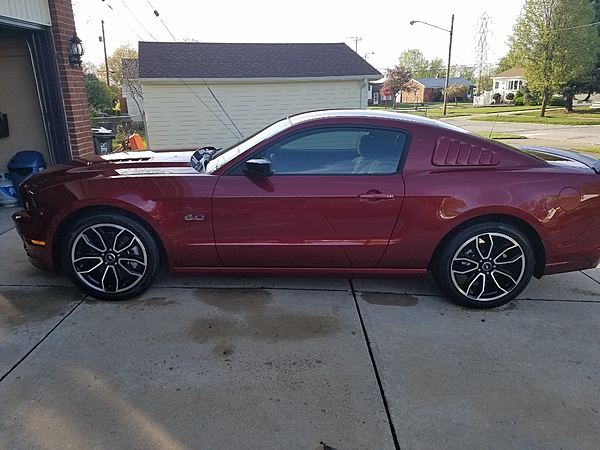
point(469, 109)
point(500, 135)
point(522, 114)
point(588, 150)
point(555, 116)
point(436, 110)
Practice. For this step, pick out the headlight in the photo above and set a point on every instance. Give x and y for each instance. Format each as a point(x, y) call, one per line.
point(28, 203)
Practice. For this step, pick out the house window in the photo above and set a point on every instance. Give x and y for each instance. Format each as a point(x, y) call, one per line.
point(497, 85)
point(514, 85)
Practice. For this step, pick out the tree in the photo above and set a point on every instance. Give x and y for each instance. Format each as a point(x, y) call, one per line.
point(420, 66)
point(395, 79)
point(466, 72)
point(436, 68)
point(552, 45)
point(98, 94)
point(131, 82)
point(115, 64)
point(508, 61)
point(457, 90)
point(591, 85)
point(414, 61)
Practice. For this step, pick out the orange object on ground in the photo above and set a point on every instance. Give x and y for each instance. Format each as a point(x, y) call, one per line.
point(135, 142)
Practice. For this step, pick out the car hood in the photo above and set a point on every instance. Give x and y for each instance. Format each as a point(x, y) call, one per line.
point(125, 164)
point(147, 156)
point(134, 163)
point(560, 157)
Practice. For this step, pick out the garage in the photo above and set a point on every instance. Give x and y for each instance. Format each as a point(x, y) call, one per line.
point(43, 104)
point(198, 94)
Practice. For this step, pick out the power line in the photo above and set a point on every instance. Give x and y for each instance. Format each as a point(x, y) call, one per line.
point(577, 27)
point(356, 40)
point(156, 13)
point(209, 108)
point(138, 21)
point(124, 21)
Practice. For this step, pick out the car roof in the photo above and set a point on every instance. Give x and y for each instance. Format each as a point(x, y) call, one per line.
point(371, 114)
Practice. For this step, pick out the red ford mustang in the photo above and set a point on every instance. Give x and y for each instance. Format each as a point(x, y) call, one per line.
point(350, 193)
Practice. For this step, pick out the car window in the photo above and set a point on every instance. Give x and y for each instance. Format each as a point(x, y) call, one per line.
point(223, 156)
point(337, 151)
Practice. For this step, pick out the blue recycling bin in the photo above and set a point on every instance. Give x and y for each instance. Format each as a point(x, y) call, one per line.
point(24, 164)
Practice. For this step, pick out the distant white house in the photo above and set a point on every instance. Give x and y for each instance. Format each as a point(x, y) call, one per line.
point(198, 94)
point(508, 82)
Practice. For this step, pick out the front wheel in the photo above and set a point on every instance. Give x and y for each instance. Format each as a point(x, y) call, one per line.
point(485, 265)
point(111, 257)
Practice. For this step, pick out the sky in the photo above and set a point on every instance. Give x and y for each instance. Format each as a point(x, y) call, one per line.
point(379, 32)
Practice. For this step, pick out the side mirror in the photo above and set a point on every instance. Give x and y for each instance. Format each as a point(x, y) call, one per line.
point(201, 157)
point(258, 168)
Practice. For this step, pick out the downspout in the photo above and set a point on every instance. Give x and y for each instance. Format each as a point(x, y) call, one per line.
point(364, 85)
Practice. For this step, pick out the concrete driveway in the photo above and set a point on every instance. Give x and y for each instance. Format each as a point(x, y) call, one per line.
point(295, 364)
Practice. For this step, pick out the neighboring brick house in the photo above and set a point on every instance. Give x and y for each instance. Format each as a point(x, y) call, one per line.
point(43, 98)
point(421, 90)
point(199, 94)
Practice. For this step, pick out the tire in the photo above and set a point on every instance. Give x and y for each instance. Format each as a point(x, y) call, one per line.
point(485, 265)
point(111, 257)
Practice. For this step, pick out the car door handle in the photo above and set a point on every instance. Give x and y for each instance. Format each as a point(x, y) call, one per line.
point(376, 195)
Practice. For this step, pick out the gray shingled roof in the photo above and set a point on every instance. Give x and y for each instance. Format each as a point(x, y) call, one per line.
point(220, 60)
point(440, 82)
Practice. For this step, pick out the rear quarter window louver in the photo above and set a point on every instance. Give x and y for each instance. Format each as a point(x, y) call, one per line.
point(452, 152)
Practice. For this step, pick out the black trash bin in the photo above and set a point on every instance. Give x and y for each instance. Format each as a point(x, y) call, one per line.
point(103, 140)
point(24, 164)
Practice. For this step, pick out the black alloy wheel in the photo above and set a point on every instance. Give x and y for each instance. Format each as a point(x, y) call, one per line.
point(111, 257)
point(485, 265)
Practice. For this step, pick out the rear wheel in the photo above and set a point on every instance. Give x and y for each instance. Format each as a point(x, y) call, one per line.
point(111, 257)
point(485, 265)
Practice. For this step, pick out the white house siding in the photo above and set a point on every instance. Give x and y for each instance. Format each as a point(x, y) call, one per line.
point(505, 86)
point(35, 11)
point(176, 118)
point(134, 108)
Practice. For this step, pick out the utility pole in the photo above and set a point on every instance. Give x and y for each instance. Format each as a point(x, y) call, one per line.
point(448, 72)
point(356, 40)
point(105, 57)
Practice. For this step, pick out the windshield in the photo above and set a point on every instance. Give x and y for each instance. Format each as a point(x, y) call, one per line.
point(222, 157)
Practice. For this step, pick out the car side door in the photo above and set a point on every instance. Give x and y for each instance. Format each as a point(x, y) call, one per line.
point(332, 200)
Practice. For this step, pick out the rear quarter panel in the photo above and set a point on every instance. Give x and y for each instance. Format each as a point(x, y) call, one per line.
point(439, 199)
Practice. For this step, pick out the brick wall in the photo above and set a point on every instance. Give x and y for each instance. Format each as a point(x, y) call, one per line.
point(413, 92)
point(71, 80)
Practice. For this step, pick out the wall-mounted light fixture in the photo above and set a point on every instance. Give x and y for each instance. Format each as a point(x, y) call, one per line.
point(76, 51)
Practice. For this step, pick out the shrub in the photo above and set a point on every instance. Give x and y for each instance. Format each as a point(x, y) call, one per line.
point(510, 96)
point(557, 101)
point(497, 97)
point(519, 102)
